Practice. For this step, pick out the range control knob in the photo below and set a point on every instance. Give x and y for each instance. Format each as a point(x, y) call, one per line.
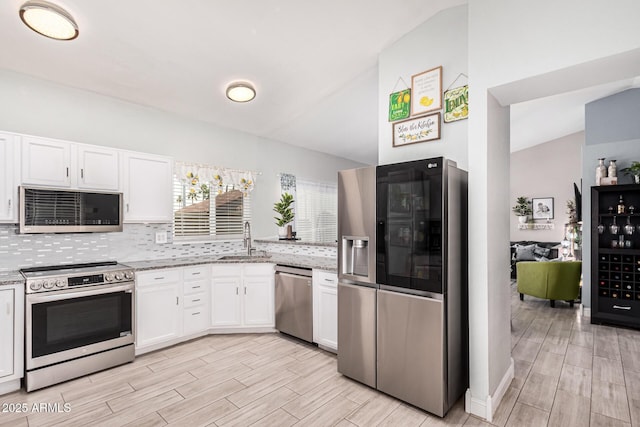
point(60, 283)
point(118, 276)
point(108, 277)
point(47, 285)
point(35, 285)
point(128, 275)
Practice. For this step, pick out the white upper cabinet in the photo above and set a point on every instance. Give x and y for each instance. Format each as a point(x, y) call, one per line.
point(46, 162)
point(98, 168)
point(54, 163)
point(147, 188)
point(8, 182)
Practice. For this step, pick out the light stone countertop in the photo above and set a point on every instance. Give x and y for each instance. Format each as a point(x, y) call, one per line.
point(296, 242)
point(10, 278)
point(304, 261)
point(294, 260)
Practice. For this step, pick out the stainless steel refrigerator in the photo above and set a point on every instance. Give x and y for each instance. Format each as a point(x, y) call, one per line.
point(356, 274)
point(419, 287)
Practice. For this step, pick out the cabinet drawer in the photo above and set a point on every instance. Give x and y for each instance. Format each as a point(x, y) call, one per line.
point(196, 319)
point(158, 276)
point(619, 306)
point(258, 269)
point(195, 286)
point(195, 300)
point(327, 278)
point(197, 272)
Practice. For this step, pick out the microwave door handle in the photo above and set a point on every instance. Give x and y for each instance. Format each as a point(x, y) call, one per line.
point(62, 295)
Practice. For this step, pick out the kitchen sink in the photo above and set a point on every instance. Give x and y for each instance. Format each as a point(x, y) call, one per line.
point(257, 257)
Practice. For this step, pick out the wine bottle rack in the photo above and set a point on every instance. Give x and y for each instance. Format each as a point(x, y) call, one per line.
point(615, 256)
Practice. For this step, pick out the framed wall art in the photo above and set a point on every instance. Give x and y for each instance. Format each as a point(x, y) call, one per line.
point(542, 208)
point(399, 103)
point(456, 104)
point(426, 91)
point(419, 129)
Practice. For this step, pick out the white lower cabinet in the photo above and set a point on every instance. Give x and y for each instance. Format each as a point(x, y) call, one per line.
point(159, 313)
point(325, 309)
point(242, 296)
point(11, 337)
point(195, 300)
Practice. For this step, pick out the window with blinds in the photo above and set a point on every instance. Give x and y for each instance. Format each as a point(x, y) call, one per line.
point(200, 215)
point(316, 209)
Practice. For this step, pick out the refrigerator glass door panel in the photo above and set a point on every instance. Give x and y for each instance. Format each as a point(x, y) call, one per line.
point(411, 349)
point(409, 218)
point(357, 333)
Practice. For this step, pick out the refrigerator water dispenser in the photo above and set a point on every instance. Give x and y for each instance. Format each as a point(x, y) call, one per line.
point(355, 251)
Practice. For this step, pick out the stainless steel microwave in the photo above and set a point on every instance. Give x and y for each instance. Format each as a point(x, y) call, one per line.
point(53, 210)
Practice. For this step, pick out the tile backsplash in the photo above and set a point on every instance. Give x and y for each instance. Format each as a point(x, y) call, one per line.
point(135, 243)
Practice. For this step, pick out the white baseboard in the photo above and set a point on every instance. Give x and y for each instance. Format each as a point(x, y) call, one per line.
point(585, 311)
point(9, 386)
point(486, 408)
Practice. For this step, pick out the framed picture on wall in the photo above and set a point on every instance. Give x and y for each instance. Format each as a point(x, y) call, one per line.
point(420, 129)
point(542, 208)
point(426, 91)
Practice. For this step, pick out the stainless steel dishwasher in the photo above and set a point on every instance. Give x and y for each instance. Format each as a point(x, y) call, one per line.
point(294, 302)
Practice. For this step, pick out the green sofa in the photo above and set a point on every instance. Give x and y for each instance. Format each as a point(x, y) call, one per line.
point(550, 280)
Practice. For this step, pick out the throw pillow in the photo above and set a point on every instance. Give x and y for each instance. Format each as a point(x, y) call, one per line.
point(541, 252)
point(525, 253)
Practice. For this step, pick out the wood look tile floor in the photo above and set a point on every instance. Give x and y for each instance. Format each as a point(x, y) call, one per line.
point(567, 373)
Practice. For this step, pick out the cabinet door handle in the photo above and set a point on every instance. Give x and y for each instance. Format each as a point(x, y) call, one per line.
point(82, 173)
point(245, 290)
point(195, 273)
point(236, 290)
point(195, 287)
point(622, 307)
point(177, 300)
point(9, 204)
point(8, 309)
point(67, 172)
point(158, 278)
point(127, 207)
point(195, 314)
point(195, 300)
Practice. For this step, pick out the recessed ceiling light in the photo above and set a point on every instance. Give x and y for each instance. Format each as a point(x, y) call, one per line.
point(49, 20)
point(241, 92)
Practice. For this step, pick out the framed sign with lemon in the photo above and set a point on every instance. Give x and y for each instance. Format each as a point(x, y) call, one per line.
point(426, 91)
point(456, 104)
point(399, 105)
point(418, 129)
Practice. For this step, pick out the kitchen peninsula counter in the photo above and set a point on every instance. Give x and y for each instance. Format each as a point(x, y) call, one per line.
point(304, 261)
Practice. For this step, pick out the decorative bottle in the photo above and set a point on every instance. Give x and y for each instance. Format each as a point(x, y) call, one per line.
point(601, 171)
point(621, 207)
point(613, 170)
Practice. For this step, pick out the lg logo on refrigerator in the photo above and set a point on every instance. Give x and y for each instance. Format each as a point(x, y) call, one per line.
point(432, 165)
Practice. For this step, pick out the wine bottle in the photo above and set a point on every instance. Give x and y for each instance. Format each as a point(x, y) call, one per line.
point(621, 206)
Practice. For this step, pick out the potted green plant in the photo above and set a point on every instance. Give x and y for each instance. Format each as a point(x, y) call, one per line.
point(522, 209)
point(633, 170)
point(283, 208)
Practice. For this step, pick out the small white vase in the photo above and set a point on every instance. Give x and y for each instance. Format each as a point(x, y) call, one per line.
point(282, 232)
point(601, 171)
point(523, 219)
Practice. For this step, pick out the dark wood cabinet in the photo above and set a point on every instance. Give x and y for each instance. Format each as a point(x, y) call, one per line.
point(615, 255)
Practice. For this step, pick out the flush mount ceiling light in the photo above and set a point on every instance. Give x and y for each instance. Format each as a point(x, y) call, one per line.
point(49, 20)
point(241, 92)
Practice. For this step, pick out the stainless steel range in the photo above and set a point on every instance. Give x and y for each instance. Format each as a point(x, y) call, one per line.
point(79, 319)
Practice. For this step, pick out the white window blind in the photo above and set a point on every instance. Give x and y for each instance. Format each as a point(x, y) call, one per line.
point(316, 209)
point(200, 213)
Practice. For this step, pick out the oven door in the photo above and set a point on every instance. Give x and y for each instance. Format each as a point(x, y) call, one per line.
point(64, 325)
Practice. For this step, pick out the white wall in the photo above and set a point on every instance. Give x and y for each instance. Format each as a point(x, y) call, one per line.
point(546, 170)
point(41, 108)
point(441, 40)
point(520, 51)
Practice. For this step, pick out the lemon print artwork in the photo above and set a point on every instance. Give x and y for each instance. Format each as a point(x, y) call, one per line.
point(426, 101)
point(407, 97)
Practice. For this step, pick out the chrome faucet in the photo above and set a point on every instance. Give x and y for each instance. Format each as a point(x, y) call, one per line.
point(247, 238)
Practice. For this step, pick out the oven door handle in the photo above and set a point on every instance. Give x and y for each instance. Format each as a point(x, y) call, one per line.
point(63, 295)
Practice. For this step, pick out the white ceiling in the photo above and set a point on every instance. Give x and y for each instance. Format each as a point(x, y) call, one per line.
point(314, 64)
